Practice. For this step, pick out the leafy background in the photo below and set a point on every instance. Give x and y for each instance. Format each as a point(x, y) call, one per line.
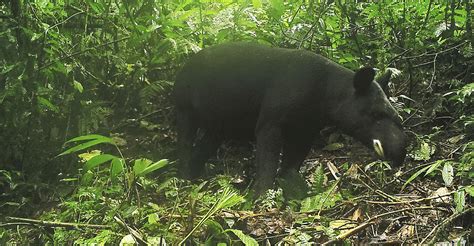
point(73, 68)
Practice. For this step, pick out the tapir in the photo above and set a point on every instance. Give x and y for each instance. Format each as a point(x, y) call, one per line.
point(282, 98)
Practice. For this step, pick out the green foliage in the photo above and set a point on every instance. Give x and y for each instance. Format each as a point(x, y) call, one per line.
point(70, 68)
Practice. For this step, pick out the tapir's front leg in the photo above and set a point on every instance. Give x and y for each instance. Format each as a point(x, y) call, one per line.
point(269, 142)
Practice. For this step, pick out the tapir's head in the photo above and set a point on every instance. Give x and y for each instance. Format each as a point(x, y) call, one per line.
point(367, 115)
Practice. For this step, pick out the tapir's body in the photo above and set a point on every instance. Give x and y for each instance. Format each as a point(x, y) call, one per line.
point(281, 97)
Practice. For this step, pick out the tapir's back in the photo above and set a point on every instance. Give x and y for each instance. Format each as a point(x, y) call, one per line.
point(225, 85)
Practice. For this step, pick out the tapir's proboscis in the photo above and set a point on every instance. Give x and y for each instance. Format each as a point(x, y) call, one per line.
point(282, 98)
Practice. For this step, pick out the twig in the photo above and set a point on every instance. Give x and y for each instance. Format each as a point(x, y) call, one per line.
point(445, 222)
point(410, 201)
point(437, 53)
point(56, 224)
point(83, 51)
point(370, 222)
point(138, 238)
point(434, 71)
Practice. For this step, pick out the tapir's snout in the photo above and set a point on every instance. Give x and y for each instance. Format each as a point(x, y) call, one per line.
point(392, 146)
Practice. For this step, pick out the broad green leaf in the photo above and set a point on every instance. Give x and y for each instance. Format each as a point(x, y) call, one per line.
point(89, 137)
point(214, 227)
point(85, 146)
point(116, 167)
point(153, 167)
point(448, 174)
point(89, 155)
point(97, 160)
point(139, 165)
point(246, 240)
point(460, 200)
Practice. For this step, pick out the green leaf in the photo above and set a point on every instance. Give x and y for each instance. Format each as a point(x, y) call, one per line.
point(153, 167)
point(245, 239)
point(86, 178)
point(89, 137)
point(424, 152)
point(116, 167)
point(277, 8)
point(153, 219)
point(322, 200)
point(257, 4)
point(45, 102)
point(470, 190)
point(434, 166)
point(448, 174)
point(214, 227)
point(460, 200)
point(139, 165)
point(78, 86)
point(318, 178)
point(85, 146)
point(97, 160)
point(416, 174)
point(294, 186)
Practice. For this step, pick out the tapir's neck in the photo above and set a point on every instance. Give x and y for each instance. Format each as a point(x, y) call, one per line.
point(339, 91)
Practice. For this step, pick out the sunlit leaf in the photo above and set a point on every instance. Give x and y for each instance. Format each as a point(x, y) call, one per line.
point(78, 86)
point(89, 137)
point(97, 160)
point(85, 146)
point(139, 165)
point(470, 190)
point(460, 200)
point(152, 167)
point(448, 174)
point(245, 239)
point(257, 3)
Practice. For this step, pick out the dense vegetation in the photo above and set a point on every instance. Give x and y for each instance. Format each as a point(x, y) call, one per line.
point(87, 140)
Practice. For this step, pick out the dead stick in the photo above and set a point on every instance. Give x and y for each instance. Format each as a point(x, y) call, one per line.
point(57, 224)
point(370, 222)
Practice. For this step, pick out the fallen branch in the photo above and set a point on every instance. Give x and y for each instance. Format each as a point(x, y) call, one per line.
point(26, 221)
point(370, 222)
point(443, 224)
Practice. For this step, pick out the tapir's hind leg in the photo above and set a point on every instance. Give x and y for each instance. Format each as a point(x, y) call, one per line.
point(187, 128)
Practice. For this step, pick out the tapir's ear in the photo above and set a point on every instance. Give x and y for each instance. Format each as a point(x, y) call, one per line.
point(363, 78)
point(383, 81)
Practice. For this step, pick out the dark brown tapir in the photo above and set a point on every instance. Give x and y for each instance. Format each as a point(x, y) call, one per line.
point(282, 98)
